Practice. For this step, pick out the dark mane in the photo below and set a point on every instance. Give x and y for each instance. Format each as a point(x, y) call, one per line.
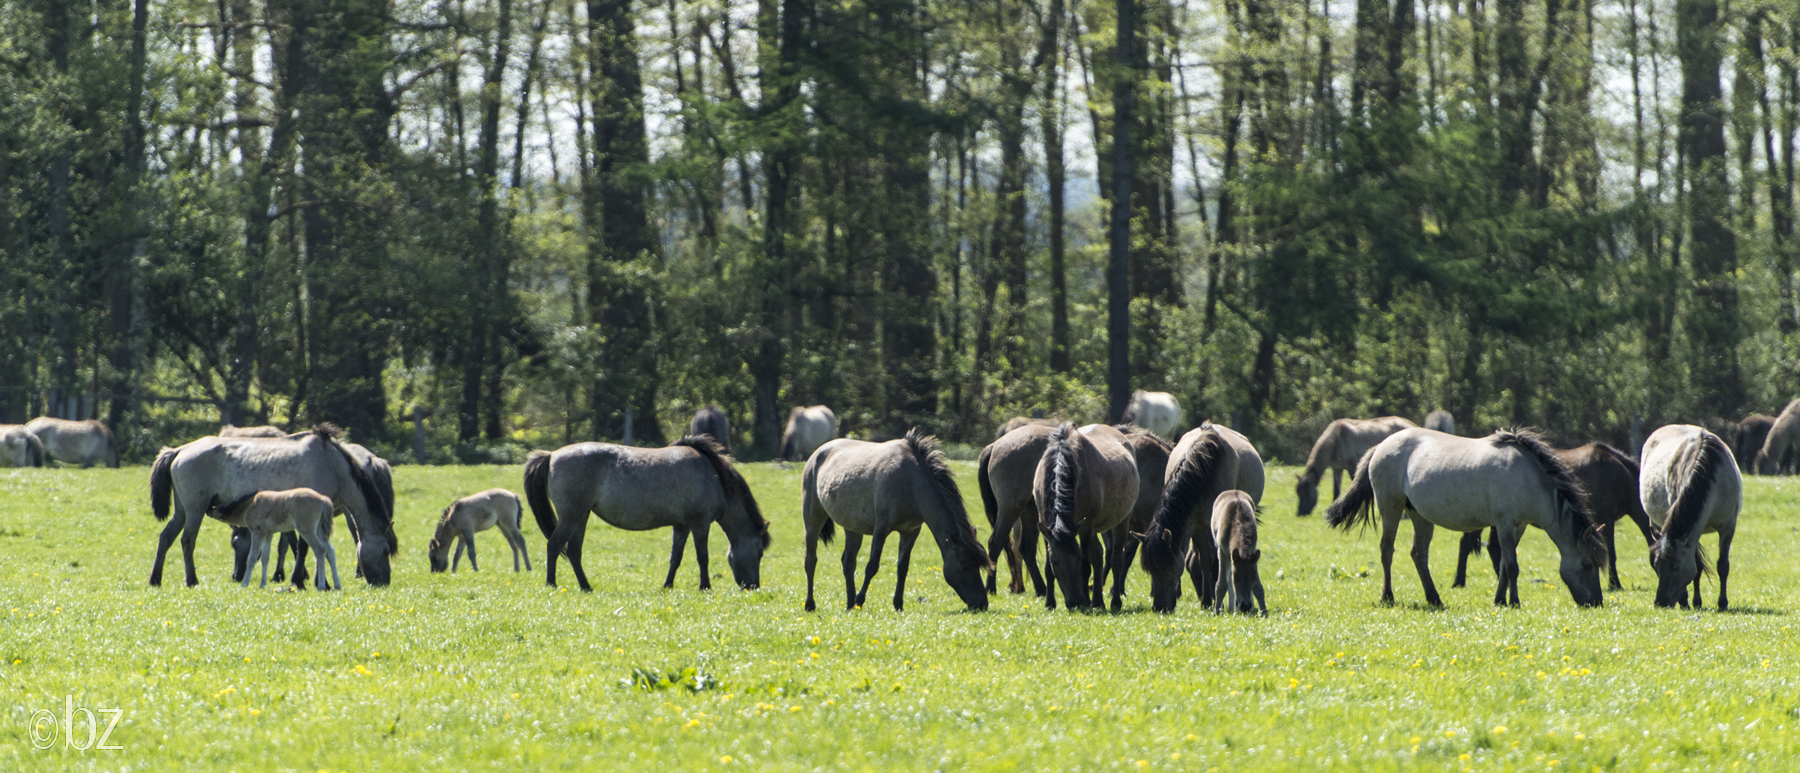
point(924, 449)
point(1689, 508)
point(1571, 501)
point(1133, 431)
point(379, 508)
point(1326, 440)
point(1064, 463)
point(328, 430)
point(736, 489)
point(1182, 494)
point(1625, 461)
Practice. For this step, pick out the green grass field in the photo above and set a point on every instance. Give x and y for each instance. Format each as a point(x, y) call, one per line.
point(496, 671)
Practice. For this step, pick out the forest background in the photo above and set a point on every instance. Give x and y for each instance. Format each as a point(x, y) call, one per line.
point(522, 223)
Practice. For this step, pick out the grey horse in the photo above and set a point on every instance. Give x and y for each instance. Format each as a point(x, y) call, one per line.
point(878, 489)
point(1338, 448)
point(197, 477)
point(1210, 460)
point(807, 429)
point(227, 430)
point(1690, 486)
point(1004, 475)
point(1508, 480)
point(1234, 532)
point(1440, 420)
point(86, 443)
point(687, 486)
point(1158, 412)
point(19, 448)
point(711, 421)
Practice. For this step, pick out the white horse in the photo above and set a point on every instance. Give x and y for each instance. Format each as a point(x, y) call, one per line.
point(1690, 486)
point(495, 507)
point(19, 448)
point(878, 489)
point(1338, 449)
point(1440, 420)
point(267, 513)
point(1508, 480)
point(1158, 412)
point(227, 430)
point(86, 443)
point(807, 429)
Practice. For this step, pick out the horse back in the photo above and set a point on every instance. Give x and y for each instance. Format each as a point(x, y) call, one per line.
point(636, 488)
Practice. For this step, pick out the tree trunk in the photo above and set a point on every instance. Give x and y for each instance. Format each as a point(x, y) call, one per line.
point(1118, 279)
point(1713, 318)
point(1052, 52)
point(127, 292)
point(489, 264)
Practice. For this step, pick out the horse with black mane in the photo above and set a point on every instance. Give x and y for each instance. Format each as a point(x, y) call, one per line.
point(1690, 487)
point(199, 476)
point(1508, 480)
point(1085, 484)
point(878, 489)
point(686, 486)
point(1210, 460)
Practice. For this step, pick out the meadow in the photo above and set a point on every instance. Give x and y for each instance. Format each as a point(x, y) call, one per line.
point(495, 671)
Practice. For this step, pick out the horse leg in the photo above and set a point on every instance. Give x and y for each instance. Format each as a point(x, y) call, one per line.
point(702, 556)
point(469, 539)
point(240, 552)
point(282, 546)
point(875, 543)
point(1612, 556)
point(1390, 527)
point(565, 541)
point(1509, 567)
point(573, 551)
point(1000, 541)
point(812, 563)
point(262, 553)
point(1119, 551)
point(1028, 540)
point(1471, 543)
point(675, 551)
point(1724, 565)
point(901, 563)
point(1203, 566)
point(456, 560)
point(1049, 581)
point(1015, 565)
point(1421, 556)
point(164, 540)
point(1095, 553)
point(1337, 483)
point(300, 550)
point(1222, 586)
point(852, 548)
point(190, 535)
point(249, 558)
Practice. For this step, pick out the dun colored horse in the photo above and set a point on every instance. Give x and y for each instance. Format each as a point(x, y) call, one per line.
point(302, 511)
point(1441, 420)
point(86, 443)
point(807, 429)
point(1158, 412)
point(1748, 440)
point(1234, 532)
point(1152, 455)
point(495, 507)
point(1005, 473)
point(1780, 454)
point(1690, 487)
point(19, 448)
point(1338, 448)
point(1210, 460)
point(1085, 484)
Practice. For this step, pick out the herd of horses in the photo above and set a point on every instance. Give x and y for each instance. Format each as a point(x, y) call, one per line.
point(1095, 495)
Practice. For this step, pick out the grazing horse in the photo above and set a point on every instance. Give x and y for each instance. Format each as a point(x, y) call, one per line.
point(227, 430)
point(1152, 455)
point(1690, 487)
point(1085, 484)
point(198, 476)
point(1022, 421)
point(1440, 420)
point(1338, 449)
point(1748, 440)
point(807, 429)
point(1780, 454)
point(711, 421)
point(687, 486)
point(1234, 531)
point(267, 513)
point(1158, 412)
point(1609, 482)
point(1004, 474)
point(1507, 480)
point(19, 448)
point(86, 443)
point(478, 512)
point(377, 469)
point(1210, 460)
point(877, 489)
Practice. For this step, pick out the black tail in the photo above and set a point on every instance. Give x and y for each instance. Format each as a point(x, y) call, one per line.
point(1687, 512)
point(1357, 505)
point(34, 449)
point(379, 508)
point(989, 503)
point(1060, 456)
point(960, 531)
point(537, 491)
point(162, 483)
point(737, 491)
point(1571, 500)
point(1167, 534)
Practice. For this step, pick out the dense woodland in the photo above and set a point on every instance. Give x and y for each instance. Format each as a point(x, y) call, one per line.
point(529, 222)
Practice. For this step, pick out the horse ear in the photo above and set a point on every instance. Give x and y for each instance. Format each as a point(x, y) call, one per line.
point(1256, 555)
point(1168, 536)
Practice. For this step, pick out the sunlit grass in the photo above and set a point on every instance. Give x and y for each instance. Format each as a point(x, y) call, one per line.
point(495, 671)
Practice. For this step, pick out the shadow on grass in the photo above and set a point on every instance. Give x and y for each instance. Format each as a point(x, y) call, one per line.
point(1754, 611)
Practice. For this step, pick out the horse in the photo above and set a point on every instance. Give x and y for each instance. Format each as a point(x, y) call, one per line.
point(377, 469)
point(1748, 440)
point(1085, 484)
point(1338, 449)
point(1158, 412)
point(198, 476)
point(877, 489)
point(807, 429)
point(687, 486)
point(1234, 532)
point(1210, 460)
point(301, 510)
point(86, 443)
point(1780, 454)
point(1022, 421)
point(19, 448)
point(227, 430)
point(478, 512)
point(1440, 420)
point(711, 421)
point(1152, 455)
point(1004, 473)
point(1507, 480)
point(1609, 481)
point(1690, 487)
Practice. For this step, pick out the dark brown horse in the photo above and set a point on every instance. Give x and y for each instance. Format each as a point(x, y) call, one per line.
point(1152, 453)
point(1609, 482)
point(1752, 432)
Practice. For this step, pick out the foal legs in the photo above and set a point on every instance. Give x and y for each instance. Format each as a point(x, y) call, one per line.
point(904, 560)
point(468, 538)
point(1509, 568)
point(1421, 556)
point(675, 551)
